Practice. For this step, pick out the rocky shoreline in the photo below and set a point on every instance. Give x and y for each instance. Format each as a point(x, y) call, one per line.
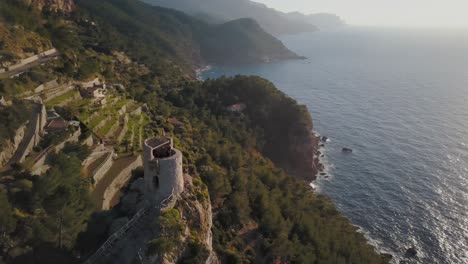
point(319, 143)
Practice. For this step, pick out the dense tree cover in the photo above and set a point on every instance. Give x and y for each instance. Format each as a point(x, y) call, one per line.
point(43, 215)
point(15, 12)
point(261, 214)
point(279, 122)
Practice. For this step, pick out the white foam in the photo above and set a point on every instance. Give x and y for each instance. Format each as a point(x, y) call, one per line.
point(200, 71)
point(378, 245)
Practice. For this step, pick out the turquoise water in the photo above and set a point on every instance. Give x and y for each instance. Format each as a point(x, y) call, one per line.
point(399, 99)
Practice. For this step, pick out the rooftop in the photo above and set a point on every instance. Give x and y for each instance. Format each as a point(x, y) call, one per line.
point(92, 89)
point(58, 124)
point(239, 107)
point(158, 142)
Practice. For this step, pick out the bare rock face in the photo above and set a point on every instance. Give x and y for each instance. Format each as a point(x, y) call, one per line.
point(302, 159)
point(59, 6)
point(195, 207)
point(10, 146)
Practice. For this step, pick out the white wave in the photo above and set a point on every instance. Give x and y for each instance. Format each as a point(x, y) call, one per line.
point(199, 72)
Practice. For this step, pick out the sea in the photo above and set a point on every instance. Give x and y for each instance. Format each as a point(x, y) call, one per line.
point(399, 99)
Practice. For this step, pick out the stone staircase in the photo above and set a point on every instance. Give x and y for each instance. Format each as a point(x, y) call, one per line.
point(121, 234)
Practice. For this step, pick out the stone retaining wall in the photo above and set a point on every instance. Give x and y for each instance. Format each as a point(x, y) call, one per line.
point(123, 109)
point(112, 130)
point(46, 85)
point(102, 123)
point(76, 97)
point(119, 182)
point(99, 173)
point(40, 162)
point(124, 130)
point(137, 111)
point(31, 59)
point(72, 138)
point(92, 116)
point(89, 141)
point(53, 93)
point(91, 83)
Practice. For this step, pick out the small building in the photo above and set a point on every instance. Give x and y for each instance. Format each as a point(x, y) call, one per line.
point(91, 83)
point(236, 108)
point(56, 125)
point(93, 92)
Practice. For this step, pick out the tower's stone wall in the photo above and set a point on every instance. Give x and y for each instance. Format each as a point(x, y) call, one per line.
point(163, 175)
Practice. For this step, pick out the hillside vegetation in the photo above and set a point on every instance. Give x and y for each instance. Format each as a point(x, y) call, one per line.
point(262, 215)
point(187, 38)
point(223, 43)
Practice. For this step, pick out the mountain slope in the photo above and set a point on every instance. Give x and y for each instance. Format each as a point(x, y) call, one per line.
point(323, 21)
point(188, 38)
point(241, 41)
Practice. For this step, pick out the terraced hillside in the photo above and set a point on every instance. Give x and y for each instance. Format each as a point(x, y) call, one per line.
point(117, 121)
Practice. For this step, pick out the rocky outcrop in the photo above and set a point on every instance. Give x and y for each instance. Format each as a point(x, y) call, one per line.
point(33, 133)
point(305, 150)
point(195, 208)
point(4, 102)
point(59, 6)
point(9, 147)
point(347, 150)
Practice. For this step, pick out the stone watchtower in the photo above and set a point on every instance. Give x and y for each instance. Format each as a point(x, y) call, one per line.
point(163, 169)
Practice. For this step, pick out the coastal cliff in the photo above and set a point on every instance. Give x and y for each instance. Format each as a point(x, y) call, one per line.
point(241, 41)
point(303, 159)
point(283, 128)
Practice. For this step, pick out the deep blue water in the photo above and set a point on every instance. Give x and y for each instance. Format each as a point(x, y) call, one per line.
point(399, 99)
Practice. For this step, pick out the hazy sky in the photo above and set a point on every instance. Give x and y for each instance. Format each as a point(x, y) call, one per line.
point(413, 13)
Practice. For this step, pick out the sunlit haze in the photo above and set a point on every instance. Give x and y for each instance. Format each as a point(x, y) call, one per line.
point(413, 13)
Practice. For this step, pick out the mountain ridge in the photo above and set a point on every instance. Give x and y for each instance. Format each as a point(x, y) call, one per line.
point(191, 39)
point(273, 21)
